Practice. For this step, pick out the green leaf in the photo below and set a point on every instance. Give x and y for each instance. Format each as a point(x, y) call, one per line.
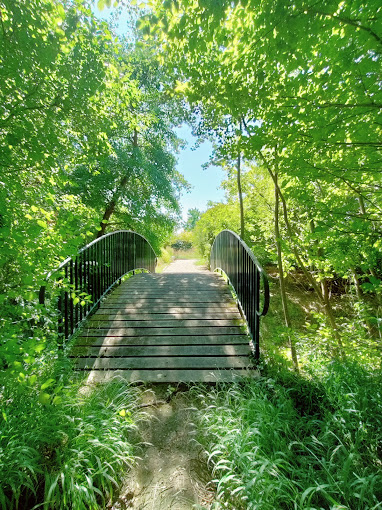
point(44, 398)
point(42, 223)
point(39, 347)
point(32, 379)
point(47, 383)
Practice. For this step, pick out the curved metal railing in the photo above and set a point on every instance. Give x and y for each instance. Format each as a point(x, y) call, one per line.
point(230, 254)
point(82, 281)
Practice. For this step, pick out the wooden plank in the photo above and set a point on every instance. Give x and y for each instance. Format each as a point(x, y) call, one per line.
point(129, 309)
point(172, 288)
point(162, 323)
point(173, 363)
point(177, 308)
point(172, 376)
point(163, 340)
point(201, 296)
point(163, 350)
point(170, 302)
point(197, 331)
point(101, 315)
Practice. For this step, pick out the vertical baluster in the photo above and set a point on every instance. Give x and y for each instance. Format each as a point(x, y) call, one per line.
point(101, 267)
point(71, 300)
point(76, 308)
point(60, 319)
point(257, 317)
point(91, 273)
point(119, 255)
point(96, 269)
point(109, 240)
point(80, 282)
point(135, 252)
point(66, 307)
point(253, 301)
point(112, 265)
point(88, 279)
point(125, 254)
point(115, 258)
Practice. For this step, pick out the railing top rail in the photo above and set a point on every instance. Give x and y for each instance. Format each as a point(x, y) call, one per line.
point(63, 263)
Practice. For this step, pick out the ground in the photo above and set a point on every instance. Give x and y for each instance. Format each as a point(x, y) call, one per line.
point(172, 471)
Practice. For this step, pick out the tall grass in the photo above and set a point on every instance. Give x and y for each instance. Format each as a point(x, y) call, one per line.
point(67, 452)
point(288, 442)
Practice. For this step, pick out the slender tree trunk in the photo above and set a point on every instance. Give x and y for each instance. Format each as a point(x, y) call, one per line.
point(362, 209)
point(239, 190)
point(110, 208)
point(320, 290)
point(361, 299)
point(282, 279)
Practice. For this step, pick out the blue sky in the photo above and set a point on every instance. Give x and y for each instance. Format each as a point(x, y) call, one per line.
point(204, 183)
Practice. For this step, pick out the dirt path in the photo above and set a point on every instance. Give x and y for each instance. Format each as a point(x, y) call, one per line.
point(172, 472)
point(185, 266)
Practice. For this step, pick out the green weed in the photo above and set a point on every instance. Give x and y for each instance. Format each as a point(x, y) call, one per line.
point(65, 453)
point(290, 442)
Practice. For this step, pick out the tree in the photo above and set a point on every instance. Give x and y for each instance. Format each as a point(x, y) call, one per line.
point(275, 66)
point(193, 216)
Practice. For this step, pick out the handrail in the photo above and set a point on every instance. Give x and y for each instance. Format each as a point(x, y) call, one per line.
point(88, 276)
point(230, 254)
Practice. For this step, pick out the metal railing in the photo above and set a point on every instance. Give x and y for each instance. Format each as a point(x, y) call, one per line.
point(79, 283)
point(230, 254)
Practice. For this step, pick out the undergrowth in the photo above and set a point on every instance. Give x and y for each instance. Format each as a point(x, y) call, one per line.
point(66, 449)
point(291, 442)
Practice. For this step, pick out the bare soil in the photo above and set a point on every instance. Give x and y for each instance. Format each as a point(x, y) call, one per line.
point(172, 471)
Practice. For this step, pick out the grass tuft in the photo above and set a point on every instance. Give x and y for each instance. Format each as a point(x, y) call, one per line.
point(288, 442)
point(65, 456)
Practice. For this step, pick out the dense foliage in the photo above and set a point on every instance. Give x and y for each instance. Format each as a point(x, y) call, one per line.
point(293, 89)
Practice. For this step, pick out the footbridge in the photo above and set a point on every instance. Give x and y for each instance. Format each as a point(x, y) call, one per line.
point(116, 316)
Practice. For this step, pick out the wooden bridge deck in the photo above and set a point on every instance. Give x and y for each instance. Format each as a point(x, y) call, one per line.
point(168, 327)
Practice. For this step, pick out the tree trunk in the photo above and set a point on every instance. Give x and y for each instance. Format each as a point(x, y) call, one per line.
point(362, 209)
point(320, 290)
point(110, 208)
point(282, 279)
point(239, 190)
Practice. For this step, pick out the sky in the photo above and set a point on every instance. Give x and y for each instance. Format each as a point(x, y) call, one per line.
point(204, 183)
